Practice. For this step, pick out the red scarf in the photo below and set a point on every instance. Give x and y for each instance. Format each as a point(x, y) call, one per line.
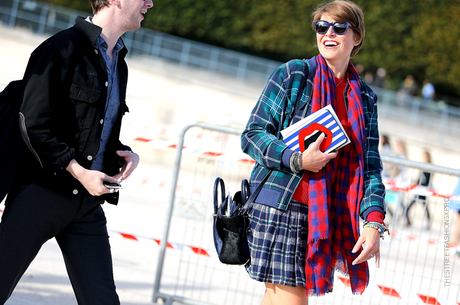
point(335, 193)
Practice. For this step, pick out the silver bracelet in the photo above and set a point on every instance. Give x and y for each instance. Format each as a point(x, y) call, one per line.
point(299, 161)
point(295, 162)
point(292, 162)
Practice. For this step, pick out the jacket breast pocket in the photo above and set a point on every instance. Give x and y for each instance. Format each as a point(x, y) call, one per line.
point(85, 103)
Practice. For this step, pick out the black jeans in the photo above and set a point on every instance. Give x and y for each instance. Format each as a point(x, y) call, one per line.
point(37, 214)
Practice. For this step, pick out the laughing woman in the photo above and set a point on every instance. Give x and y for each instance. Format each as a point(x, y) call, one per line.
point(305, 223)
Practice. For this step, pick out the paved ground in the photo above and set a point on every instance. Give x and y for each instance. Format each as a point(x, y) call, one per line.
point(162, 99)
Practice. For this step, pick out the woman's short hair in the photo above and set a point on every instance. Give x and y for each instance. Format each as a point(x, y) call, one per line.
point(344, 11)
point(97, 5)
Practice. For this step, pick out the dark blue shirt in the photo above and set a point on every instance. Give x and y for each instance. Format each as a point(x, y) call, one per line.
point(113, 98)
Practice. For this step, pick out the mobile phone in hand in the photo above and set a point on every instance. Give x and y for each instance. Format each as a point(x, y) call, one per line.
point(112, 186)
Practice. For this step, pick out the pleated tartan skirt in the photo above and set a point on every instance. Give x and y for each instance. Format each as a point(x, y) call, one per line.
point(277, 243)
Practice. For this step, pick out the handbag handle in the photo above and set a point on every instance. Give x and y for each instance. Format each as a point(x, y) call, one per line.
point(245, 190)
point(250, 202)
point(218, 181)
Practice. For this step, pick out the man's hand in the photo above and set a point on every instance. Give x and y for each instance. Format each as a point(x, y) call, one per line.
point(371, 239)
point(92, 180)
point(131, 161)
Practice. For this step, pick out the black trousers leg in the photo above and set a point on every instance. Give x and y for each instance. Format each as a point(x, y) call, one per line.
point(37, 214)
point(86, 250)
point(30, 218)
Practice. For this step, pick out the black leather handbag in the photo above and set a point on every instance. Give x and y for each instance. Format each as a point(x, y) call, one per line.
point(231, 221)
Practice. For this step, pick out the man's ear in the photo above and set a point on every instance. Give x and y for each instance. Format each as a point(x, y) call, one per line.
point(115, 2)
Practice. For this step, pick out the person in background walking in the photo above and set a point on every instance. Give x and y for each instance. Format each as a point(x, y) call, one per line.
point(74, 100)
point(428, 91)
point(407, 89)
point(385, 148)
point(423, 182)
point(379, 79)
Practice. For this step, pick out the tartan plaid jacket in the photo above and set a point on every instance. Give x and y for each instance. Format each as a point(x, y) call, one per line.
point(273, 112)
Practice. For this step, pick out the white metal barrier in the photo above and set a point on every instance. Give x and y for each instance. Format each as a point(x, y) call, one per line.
point(418, 264)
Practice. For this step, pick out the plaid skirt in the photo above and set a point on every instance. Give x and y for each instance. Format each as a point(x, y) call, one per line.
point(278, 244)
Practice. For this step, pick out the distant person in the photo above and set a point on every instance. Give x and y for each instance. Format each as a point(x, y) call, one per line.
point(424, 182)
point(428, 91)
point(74, 100)
point(304, 223)
point(385, 143)
point(385, 148)
point(359, 69)
point(407, 89)
point(369, 78)
point(379, 79)
point(400, 172)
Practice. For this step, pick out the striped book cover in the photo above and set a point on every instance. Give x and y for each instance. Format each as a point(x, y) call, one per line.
point(306, 131)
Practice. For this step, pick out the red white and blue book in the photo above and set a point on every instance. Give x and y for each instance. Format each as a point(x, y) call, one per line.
point(306, 131)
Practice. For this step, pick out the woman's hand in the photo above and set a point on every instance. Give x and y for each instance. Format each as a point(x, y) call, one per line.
point(314, 159)
point(131, 161)
point(371, 240)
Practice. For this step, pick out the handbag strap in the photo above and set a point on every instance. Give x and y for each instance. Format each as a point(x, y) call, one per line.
point(250, 202)
point(305, 81)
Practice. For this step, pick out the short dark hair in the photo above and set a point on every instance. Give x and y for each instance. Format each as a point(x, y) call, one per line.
point(344, 11)
point(97, 5)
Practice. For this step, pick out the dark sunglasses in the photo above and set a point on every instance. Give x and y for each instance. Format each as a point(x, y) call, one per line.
point(322, 26)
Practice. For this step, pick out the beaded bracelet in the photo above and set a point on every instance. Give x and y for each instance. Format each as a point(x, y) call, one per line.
point(382, 228)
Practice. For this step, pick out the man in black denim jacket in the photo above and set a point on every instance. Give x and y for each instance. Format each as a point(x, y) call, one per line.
point(70, 119)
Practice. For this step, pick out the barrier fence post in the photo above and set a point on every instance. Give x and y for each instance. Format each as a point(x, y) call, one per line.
point(172, 194)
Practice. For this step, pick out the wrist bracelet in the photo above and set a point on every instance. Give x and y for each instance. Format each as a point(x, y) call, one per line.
point(381, 228)
point(294, 162)
point(299, 161)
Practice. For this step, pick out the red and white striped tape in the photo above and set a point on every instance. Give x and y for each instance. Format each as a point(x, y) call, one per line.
point(161, 144)
point(170, 245)
point(393, 293)
point(390, 185)
point(387, 291)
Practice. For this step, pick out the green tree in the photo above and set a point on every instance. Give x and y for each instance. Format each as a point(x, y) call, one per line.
point(418, 37)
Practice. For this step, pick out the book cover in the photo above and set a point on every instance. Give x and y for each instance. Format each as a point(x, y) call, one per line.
point(306, 131)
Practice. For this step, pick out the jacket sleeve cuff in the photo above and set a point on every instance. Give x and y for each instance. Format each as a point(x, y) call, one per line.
point(372, 209)
point(286, 157)
point(122, 146)
point(64, 160)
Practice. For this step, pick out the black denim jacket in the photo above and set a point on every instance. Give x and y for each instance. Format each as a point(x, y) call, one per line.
point(62, 114)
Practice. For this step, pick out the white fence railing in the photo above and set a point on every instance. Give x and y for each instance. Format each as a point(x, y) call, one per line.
point(419, 262)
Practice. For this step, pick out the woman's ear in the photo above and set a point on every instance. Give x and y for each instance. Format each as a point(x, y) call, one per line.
point(357, 40)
